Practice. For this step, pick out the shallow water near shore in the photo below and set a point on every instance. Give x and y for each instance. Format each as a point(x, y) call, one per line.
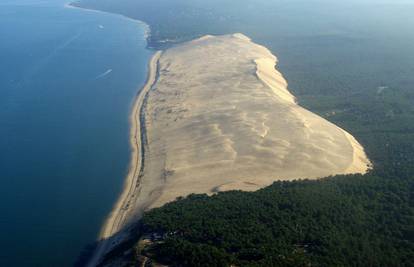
point(67, 82)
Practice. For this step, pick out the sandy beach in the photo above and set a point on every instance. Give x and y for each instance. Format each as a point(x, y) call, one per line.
point(116, 220)
point(119, 214)
point(112, 230)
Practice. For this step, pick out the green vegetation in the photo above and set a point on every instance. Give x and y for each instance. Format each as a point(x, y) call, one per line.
point(348, 61)
point(342, 221)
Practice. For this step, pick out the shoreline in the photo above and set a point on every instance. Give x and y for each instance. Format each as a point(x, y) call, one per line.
point(117, 220)
point(110, 233)
point(147, 32)
point(117, 217)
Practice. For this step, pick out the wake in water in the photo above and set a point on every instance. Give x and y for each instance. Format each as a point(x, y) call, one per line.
point(103, 74)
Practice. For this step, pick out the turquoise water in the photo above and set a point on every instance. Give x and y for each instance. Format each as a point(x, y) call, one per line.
point(67, 81)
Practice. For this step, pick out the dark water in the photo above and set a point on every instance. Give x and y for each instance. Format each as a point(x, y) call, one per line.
point(64, 128)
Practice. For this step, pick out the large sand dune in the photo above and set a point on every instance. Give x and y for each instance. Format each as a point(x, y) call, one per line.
point(220, 117)
point(217, 116)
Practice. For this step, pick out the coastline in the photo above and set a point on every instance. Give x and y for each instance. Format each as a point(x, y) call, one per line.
point(111, 232)
point(147, 34)
point(117, 217)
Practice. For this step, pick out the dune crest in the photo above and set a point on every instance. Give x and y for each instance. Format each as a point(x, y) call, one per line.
point(220, 117)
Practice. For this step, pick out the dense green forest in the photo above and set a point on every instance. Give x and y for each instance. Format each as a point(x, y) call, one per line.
point(346, 220)
point(351, 63)
point(342, 221)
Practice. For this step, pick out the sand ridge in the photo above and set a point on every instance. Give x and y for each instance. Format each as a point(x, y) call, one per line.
point(216, 115)
point(220, 117)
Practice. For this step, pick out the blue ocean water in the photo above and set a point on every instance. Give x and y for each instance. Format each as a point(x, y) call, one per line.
point(67, 81)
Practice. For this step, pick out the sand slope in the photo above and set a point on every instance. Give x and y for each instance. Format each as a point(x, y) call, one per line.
point(216, 115)
point(220, 117)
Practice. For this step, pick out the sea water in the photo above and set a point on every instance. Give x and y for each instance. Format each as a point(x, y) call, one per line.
point(68, 78)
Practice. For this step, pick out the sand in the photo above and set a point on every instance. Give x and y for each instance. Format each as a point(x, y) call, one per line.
point(215, 115)
point(119, 213)
point(115, 227)
point(220, 117)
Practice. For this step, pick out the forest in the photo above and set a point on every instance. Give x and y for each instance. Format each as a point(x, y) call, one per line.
point(351, 220)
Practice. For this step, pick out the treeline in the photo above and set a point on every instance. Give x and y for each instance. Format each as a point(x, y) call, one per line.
point(349, 220)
